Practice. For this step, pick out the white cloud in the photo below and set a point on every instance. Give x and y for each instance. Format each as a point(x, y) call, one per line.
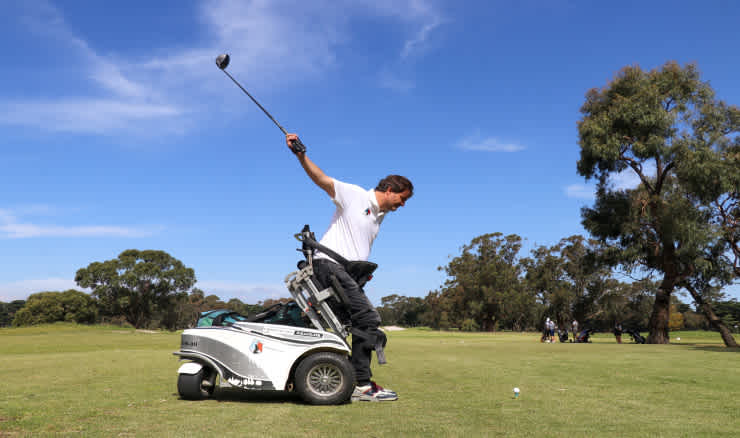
point(422, 15)
point(6, 216)
point(20, 290)
point(624, 180)
point(628, 179)
point(418, 40)
point(275, 37)
point(12, 227)
point(48, 21)
point(123, 101)
point(87, 115)
point(476, 142)
point(270, 41)
point(580, 191)
point(19, 231)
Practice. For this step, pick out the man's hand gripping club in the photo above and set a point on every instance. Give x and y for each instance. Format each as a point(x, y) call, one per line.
point(312, 170)
point(295, 144)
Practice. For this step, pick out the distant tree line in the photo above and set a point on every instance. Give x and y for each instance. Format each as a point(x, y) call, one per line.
point(8, 311)
point(491, 287)
point(145, 289)
point(82, 308)
point(634, 309)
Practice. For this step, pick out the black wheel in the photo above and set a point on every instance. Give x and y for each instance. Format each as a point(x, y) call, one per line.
point(325, 379)
point(197, 386)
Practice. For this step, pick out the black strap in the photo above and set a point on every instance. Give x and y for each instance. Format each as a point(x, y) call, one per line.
point(331, 253)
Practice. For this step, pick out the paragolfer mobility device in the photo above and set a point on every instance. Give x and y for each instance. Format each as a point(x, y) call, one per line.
point(308, 354)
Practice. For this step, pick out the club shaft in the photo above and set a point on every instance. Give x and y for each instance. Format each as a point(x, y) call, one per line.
point(255, 101)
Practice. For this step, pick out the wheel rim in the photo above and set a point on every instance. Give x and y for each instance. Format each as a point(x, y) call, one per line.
point(325, 379)
point(208, 384)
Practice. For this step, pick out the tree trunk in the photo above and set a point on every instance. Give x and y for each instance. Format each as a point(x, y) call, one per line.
point(660, 317)
point(712, 317)
point(488, 324)
point(658, 324)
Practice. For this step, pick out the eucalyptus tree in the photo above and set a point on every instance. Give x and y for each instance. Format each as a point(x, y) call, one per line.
point(8, 310)
point(712, 181)
point(402, 310)
point(546, 278)
point(485, 281)
point(137, 284)
point(654, 124)
point(569, 278)
point(47, 307)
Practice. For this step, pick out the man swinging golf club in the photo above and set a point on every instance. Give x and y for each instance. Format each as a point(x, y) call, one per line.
point(353, 229)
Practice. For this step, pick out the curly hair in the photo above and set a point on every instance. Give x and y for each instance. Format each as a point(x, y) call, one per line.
point(396, 183)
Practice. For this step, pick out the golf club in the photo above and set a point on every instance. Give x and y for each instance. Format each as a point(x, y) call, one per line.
point(222, 61)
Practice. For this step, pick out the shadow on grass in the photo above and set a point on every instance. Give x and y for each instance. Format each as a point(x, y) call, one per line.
point(239, 395)
point(235, 395)
point(715, 348)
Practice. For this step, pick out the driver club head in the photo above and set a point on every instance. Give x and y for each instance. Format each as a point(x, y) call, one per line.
point(222, 61)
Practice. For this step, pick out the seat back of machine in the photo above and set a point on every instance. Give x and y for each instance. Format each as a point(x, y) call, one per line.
point(326, 305)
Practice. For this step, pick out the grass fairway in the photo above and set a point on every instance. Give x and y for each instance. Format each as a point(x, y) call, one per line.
point(105, 381)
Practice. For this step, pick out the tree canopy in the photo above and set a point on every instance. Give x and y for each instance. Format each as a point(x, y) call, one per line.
point(666, 127)
point(484, 280)
point(8, 310)
point(137, 283)
point(47, 307)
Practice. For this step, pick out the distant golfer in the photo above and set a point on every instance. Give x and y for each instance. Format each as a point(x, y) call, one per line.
point(550, 327)
point(618, 332)
point(353, 229)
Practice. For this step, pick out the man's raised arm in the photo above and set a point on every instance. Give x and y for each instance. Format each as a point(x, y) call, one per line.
point(312, 170)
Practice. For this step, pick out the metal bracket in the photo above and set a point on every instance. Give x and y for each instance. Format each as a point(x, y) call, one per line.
point(313, 302)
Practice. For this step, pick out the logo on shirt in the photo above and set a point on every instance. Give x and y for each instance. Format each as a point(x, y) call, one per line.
point(367, 212)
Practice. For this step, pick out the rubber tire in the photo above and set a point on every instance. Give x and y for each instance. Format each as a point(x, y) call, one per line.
point(325, 379)
point(190, 386)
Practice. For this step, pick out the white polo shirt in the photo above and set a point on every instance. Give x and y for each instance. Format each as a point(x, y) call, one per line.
point(355, 223)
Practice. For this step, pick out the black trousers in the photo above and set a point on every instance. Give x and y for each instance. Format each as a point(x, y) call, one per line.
point(363, 315)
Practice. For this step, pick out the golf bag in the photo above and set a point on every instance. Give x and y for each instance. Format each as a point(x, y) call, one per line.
point(563, 335)
point(282, 313)
point(584, 336)
point(220, 317)
point(636, 336)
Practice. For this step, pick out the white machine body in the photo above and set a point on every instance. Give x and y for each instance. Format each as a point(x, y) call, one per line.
point(251, 355)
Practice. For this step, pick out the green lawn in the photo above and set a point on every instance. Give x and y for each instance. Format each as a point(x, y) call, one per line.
point(105, 381)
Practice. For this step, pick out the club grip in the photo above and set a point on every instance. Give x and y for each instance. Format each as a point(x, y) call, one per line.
point(297, 146)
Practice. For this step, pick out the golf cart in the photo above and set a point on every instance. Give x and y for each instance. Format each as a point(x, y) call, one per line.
point(300, 346)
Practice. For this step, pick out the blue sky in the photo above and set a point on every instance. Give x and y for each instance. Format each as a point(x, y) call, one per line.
point(118, 131)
